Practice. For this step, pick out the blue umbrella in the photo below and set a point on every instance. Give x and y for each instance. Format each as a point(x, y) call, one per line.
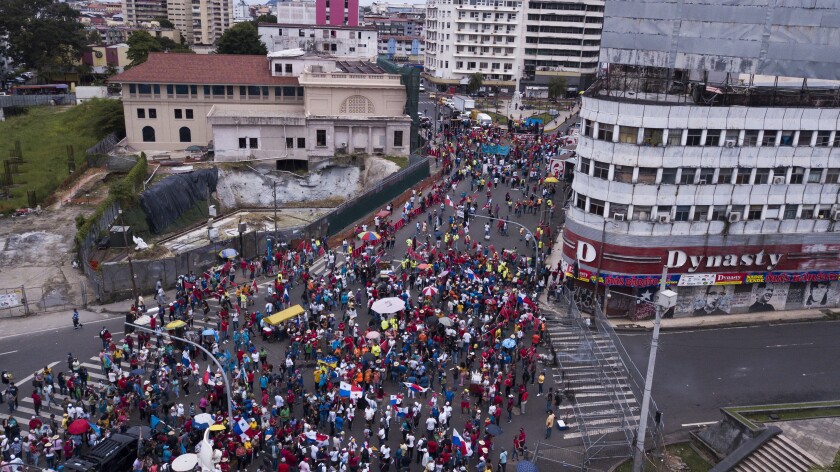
point(139, 371)
point(208, 332)
point(508, 343)
point(526, 466)
point(228, 253)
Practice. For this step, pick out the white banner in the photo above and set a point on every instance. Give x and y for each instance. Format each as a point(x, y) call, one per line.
point(695, 280)
point(8, 300)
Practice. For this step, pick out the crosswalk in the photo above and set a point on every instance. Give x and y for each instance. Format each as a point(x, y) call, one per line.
point(604, 405)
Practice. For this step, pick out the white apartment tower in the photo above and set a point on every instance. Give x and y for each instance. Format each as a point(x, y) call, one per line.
point(201, 21)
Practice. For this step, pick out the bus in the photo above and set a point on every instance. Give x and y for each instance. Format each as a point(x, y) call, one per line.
point(47, 89)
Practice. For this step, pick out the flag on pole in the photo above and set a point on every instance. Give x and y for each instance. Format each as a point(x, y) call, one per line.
point(461, 444)
point(206, 377)
point(415, 387)
point(402, 412)
point(316, 437)
point(349, 391)
point(449, 202)
point(469, 273)
point(396, 399)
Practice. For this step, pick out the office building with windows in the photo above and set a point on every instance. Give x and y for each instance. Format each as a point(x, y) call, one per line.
point(356, 42)
point(712, 149)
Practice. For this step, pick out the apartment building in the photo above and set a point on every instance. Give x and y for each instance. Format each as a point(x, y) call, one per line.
point(140, 11)
point(202, 22)
point(359, 42)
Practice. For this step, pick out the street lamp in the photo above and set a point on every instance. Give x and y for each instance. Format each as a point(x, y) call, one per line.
point(665, 299)
point(210, 354)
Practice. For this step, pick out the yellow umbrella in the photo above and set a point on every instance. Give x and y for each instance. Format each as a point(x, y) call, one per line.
point(217, 427)
point(551, 180)
point(175, 324)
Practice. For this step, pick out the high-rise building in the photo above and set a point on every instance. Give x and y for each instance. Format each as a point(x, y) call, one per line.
point(301, 12)
point(710, 144)
point(337, 12)
point(201, 22)
point(509, 41)
point(139, 11)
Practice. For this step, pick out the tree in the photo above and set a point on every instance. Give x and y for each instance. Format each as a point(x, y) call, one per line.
point(265, 19)
point(557, 87)
point(475, 83)
point(41, 34)
point(165, 23)
point(242, 38)
point(170, 45)
point(140, 44)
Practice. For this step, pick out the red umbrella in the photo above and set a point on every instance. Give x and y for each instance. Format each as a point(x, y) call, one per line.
point(78, 427)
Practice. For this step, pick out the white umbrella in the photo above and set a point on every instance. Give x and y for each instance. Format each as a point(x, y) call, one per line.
point(445, 321)
point(386, 306)
point(372, 335)
point(185, 462)
point(430, 291)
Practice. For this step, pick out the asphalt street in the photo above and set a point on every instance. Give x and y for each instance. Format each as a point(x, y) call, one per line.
point(698, 372)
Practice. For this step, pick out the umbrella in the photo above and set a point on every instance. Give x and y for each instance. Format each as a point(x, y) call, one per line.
point(203, 420)
point(208, 332)
point(228, 253)
point(78, 427)
point(432, 320)
point(508, 343)
point(368, 357)
point(445, 321)
point(430, 291)
point(185, 462)
point(526, 466)
point(373, 335)
point(142, 320)
point(493, 430)
point(175, 324)
point(217, 427)
point(423, 266)
point(369, 236)
point(386, 306)
point(551, 180)
point(444, 273)
point(139, 371)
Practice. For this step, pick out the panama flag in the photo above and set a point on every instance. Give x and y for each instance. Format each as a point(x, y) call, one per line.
point(402, 412)
point(523, 298)
point(469, 273)
point(396, 399)
point(206, 377)
point(449, 202)
point(185, 358)
point(317, 438)
point(243, 429)
point(415, 387)
point(349, 391)
point(460, 443)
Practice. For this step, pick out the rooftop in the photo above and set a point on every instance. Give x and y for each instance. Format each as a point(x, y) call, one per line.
point(359, 67)
point(319, 27)
point(176, 68)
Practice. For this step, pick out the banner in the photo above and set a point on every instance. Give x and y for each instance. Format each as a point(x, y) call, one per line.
point(497, 149)
point(8, 300)
point(699, 280)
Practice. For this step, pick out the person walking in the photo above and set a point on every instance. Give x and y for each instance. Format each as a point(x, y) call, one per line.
point(549, 424)
point(76, 323)
point(503, 460)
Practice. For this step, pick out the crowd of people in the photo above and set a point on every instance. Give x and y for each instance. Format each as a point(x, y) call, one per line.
point(436, 345)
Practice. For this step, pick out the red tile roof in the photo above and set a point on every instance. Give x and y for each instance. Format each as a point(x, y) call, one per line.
point(220, 69)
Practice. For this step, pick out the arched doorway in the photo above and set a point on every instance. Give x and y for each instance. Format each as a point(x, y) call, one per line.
point(185, 134)
point(148, 134)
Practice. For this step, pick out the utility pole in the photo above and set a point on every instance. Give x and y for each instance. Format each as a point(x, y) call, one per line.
point(665, 299)
point(130, 263)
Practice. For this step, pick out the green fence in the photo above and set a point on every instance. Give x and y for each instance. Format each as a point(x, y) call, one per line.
point(378, 196)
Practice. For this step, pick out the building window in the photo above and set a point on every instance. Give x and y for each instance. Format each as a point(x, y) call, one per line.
point(278, 68)
point(588, 128)
point(687, 175)
point(132, 89)
point(254, 143)
point(581, 202)
point(178, 113)
point(288, 68)
point(693, 137)
point(790, 211)
point(144, 89)
point(628, 134)
point(189, 113)
point(751, 137)
point(743, 176)
point(301, 143)
point(807, 212)
point(602, 170)
point(605, 132)
point(713, 137)
point(148, 134)
point(184, 134)
point(669, 176)
point(762, 176)
point(243, 143)
point(769, 138)
point(836, 139)
point(584, 166)
point(823, 138)
point(596, 207)
point(772, 212)
point(652, 136)
point(642, 212)
point(832, 176)
point(814, 176)
point(797, 175)
point(398, 138)
point(707, 176)
point(624, 174)
point(682, 213)
point(647, 175)
point(290, 143)
point(152, 113)
point(719, 213)
point(824, 212)
point(619, 209)
point(787, 138)
point(754, 213)
point(141, 113)
point(321, 138)
point(356, 105)
point(663, 210)
point(675, 137)
point(700, 213)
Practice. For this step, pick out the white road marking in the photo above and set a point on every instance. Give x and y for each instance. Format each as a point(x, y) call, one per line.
point(32, 375)
point(788, 345)
point(704, 423)
point(7, 352)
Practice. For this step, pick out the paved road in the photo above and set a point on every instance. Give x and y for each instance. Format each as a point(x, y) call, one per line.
point(698, 372)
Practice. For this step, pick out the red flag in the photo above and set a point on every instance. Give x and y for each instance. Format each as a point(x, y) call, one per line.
point(321, 251)
point(255, 286)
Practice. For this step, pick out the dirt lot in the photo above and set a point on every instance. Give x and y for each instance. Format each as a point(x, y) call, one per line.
point(36, 251)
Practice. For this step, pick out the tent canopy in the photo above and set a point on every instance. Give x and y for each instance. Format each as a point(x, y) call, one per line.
point(284, 315)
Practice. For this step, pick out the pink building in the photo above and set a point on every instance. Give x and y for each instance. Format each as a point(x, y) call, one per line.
point(337, 12)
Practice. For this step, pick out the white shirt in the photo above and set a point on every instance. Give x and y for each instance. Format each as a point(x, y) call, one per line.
point(430, 423)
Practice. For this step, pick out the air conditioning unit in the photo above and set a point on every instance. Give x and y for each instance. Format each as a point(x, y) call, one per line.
point(664, 218)
point(835, 215)
point(734, 217)
point(618, 216)
point(730, 143)
point(778, 180)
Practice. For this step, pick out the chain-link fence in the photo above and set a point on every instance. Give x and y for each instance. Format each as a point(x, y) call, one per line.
point(25, 300)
